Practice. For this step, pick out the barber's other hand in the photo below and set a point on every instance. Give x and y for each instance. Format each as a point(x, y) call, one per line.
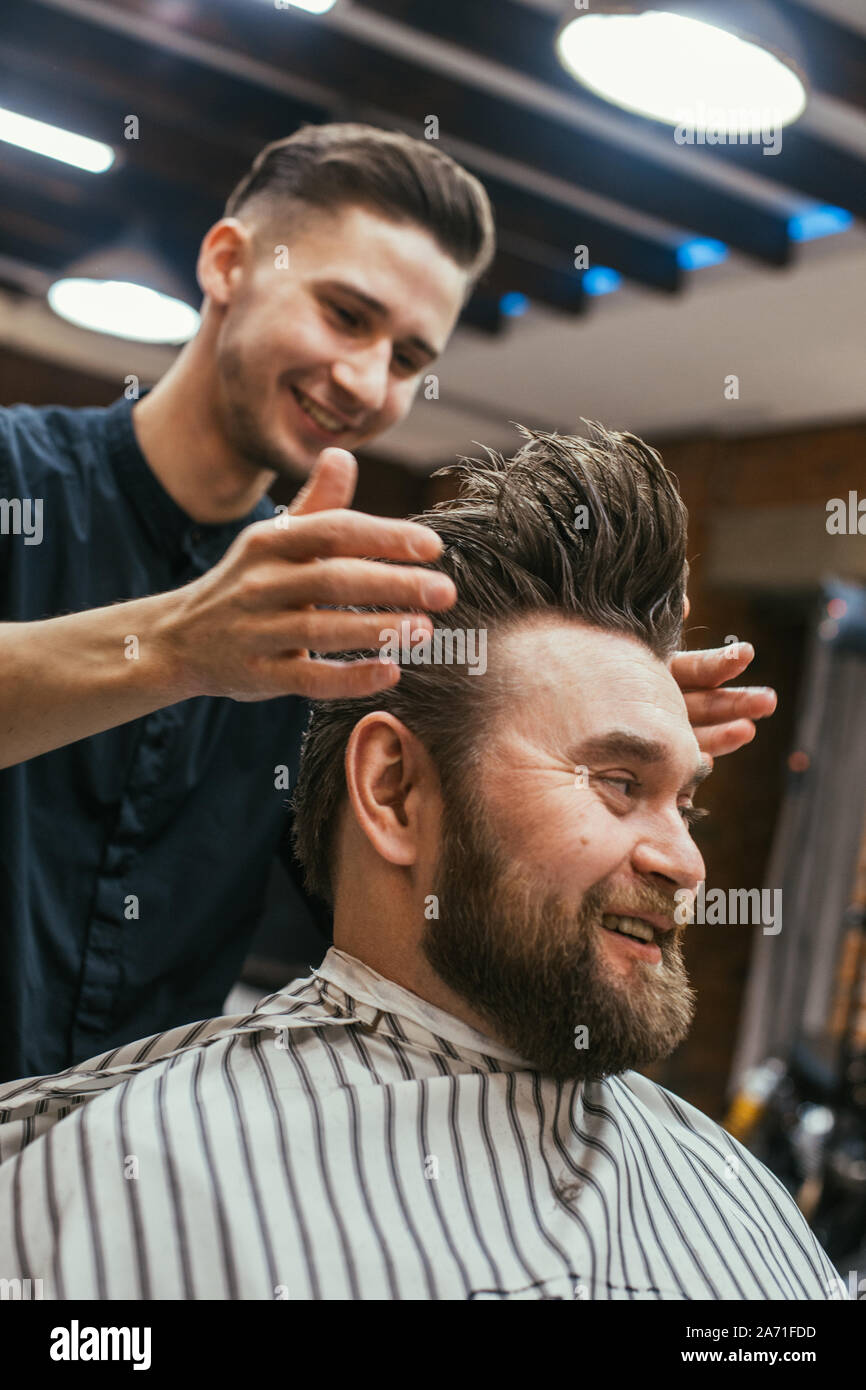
point(723, 720)
point(247, 627)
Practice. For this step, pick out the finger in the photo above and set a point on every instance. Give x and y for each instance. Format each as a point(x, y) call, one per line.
point(334, 533)
point(699, 670)
point(360, 582)
point(337, 680)
point(331, 483)
point(717, 739)
point(338, 631)
point(721, 706)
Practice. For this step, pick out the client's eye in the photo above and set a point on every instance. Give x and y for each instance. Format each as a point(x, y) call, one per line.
point(692, 814)
point(625, 782)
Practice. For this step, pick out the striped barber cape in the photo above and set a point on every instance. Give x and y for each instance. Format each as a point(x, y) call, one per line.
point(347, 1140)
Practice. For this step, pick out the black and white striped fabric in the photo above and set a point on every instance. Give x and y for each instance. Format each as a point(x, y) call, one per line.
point(347, 1140)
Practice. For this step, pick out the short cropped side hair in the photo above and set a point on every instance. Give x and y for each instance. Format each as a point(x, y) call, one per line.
point(592, 529)
point(334, 166)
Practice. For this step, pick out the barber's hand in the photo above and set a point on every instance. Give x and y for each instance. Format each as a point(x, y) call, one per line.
point(246, 628)
point(723, 720)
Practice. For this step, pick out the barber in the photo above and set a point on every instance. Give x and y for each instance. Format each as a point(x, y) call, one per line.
point(147, 759)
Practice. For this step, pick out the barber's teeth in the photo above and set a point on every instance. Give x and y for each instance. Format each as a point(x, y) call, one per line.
point(629, 926)
point(321, 417)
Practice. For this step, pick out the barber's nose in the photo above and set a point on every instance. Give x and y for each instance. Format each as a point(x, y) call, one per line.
point(670, 852)
point(364, 374)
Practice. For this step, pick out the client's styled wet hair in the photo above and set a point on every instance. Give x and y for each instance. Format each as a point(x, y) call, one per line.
point(517, 544)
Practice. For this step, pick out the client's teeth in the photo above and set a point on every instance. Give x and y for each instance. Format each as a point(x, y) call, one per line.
point(628, 926)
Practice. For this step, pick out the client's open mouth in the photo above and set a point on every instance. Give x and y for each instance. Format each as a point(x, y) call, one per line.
point(635, 935)
point(628, 926)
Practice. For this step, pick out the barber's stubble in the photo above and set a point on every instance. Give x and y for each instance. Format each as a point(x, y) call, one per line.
point(536, 967)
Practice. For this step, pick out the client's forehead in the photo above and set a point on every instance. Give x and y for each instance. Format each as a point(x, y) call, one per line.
point(564, 679)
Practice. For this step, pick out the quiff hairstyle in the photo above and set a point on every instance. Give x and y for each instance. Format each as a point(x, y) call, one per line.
point(516, 548)
point(330, 167)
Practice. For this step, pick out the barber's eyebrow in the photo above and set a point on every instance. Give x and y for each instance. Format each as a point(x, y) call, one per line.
point(381, 311)
point(623, 743)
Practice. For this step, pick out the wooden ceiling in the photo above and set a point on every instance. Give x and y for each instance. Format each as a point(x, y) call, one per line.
point(211, 81)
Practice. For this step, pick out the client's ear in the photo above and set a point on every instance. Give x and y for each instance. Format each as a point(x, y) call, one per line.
point(390, 778)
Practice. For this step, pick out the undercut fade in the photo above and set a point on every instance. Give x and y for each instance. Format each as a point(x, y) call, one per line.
point(344, 164)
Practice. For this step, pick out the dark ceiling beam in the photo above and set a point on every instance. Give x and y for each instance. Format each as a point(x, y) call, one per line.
point(546, 284)
point(30, 243)
point(835, 55)
point(825, 172)
point(178, 170)
point(92, 212)
point(363, 76)
point(523, 39)
point(195, 129)
point(483, 314)
point(562, 229)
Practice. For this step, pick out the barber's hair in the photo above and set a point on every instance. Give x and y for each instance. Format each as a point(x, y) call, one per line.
point(592, 529)
point(335, 166)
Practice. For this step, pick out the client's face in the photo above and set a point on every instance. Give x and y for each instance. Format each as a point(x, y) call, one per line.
point(577, 825)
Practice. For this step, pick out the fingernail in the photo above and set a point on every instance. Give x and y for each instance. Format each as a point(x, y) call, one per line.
point(421, 546)
point(439, 590)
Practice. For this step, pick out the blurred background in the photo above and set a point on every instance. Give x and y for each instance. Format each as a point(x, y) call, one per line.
point(700, 283)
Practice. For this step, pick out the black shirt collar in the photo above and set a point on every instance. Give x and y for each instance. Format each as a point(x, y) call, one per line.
point(168, 525)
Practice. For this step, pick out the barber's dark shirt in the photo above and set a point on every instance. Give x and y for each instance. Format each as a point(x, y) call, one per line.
point(133, 864)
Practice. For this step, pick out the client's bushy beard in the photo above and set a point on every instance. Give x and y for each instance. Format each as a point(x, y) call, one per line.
point(535, 966)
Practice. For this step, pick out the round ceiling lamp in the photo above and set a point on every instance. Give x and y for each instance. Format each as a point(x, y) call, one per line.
point(734, 66)
point(127, 291)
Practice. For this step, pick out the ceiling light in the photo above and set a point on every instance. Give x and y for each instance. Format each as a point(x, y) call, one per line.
point(123, 309)
point(128, 291)
point(701, 251)
point(513, 304)
point(601, 279)
point(56, 143)
point(821, 220)
point(311, 6)
point(729, 67)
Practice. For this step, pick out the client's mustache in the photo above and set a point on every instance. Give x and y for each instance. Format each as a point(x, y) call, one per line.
point(632, 901)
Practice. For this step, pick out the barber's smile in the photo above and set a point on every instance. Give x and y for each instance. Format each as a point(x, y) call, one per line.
point(318, 417)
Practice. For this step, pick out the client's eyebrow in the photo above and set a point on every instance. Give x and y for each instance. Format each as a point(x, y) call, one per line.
point(623, 743)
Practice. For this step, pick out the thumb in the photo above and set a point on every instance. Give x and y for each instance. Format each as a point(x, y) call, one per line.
point(331, 483)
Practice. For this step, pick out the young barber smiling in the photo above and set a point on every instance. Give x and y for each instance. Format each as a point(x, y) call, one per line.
point(138, 807)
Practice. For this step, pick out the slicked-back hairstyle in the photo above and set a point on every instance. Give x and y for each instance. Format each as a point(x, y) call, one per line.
point(518, 546)
point(335, 166)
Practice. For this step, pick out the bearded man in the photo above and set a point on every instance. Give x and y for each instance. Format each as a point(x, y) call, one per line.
point(450, 1106)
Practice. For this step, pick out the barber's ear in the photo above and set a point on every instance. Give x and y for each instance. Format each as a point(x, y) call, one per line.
point(222, 256)
point(388, 776)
